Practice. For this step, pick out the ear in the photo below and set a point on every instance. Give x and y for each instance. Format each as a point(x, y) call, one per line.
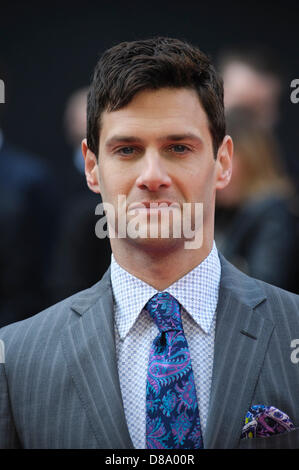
point(91, 168)
point(224, 162)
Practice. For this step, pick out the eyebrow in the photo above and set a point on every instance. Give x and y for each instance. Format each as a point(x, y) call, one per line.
point(131, 139)
point(122, 139)
point(180, 137)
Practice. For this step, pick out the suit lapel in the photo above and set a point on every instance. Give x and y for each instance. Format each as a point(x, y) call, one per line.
point(241, 341)
point(89, 347)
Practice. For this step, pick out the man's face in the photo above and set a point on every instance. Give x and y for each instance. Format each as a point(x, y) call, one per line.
point(159, 148)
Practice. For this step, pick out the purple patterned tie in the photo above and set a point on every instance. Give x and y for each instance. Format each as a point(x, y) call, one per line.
point(172, 417)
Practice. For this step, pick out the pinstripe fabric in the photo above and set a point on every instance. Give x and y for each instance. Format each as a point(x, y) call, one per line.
point(59, 385)
point(71, 396)
point(252, 331)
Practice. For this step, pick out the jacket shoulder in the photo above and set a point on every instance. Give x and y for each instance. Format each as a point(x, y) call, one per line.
point(281, 305)
point(258, 294)
point(52, 319)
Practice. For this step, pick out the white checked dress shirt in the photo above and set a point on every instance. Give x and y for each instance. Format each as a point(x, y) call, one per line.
point(135, 331)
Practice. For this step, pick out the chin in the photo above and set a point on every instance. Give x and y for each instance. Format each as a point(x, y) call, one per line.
point(157, 245)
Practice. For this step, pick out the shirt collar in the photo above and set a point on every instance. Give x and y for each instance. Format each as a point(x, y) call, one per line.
point(197, 292)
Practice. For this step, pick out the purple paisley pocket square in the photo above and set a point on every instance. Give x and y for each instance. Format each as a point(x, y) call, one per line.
point(265, 421)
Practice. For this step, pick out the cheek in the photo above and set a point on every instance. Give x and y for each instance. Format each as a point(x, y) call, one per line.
point(114, 180)
point(199, 188)
point(204, 181)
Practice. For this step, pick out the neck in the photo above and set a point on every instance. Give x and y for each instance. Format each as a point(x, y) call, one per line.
point(158, 267)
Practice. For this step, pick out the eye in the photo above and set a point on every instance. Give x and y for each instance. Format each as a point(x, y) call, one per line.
point(125, 151)
point(179, 148)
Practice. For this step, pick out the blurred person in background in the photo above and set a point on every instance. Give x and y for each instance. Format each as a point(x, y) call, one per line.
point(80, 258)
point(255, 79)
point(252, 79)
point(255, 229)
point(74, 125)
point(28, 216)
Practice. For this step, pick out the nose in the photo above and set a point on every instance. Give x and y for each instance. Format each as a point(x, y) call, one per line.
point(153, 175)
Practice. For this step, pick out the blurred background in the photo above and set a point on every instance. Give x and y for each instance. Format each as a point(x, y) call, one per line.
point(47, 54)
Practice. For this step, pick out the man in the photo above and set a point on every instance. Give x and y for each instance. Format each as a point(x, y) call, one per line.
point(110, 367)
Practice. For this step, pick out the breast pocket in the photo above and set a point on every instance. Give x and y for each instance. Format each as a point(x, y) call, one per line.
point(287, 440)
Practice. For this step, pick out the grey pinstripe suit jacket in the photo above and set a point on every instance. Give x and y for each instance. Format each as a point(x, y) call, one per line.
point(59, 384)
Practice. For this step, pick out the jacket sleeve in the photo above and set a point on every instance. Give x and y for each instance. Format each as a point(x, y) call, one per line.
point(8, 434)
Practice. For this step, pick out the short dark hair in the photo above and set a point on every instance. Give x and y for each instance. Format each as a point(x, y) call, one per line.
point(130, 67)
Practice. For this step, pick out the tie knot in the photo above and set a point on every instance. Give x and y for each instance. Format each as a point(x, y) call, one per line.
point(165, 311)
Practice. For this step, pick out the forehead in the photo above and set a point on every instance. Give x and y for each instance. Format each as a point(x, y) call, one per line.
point(155, 112)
